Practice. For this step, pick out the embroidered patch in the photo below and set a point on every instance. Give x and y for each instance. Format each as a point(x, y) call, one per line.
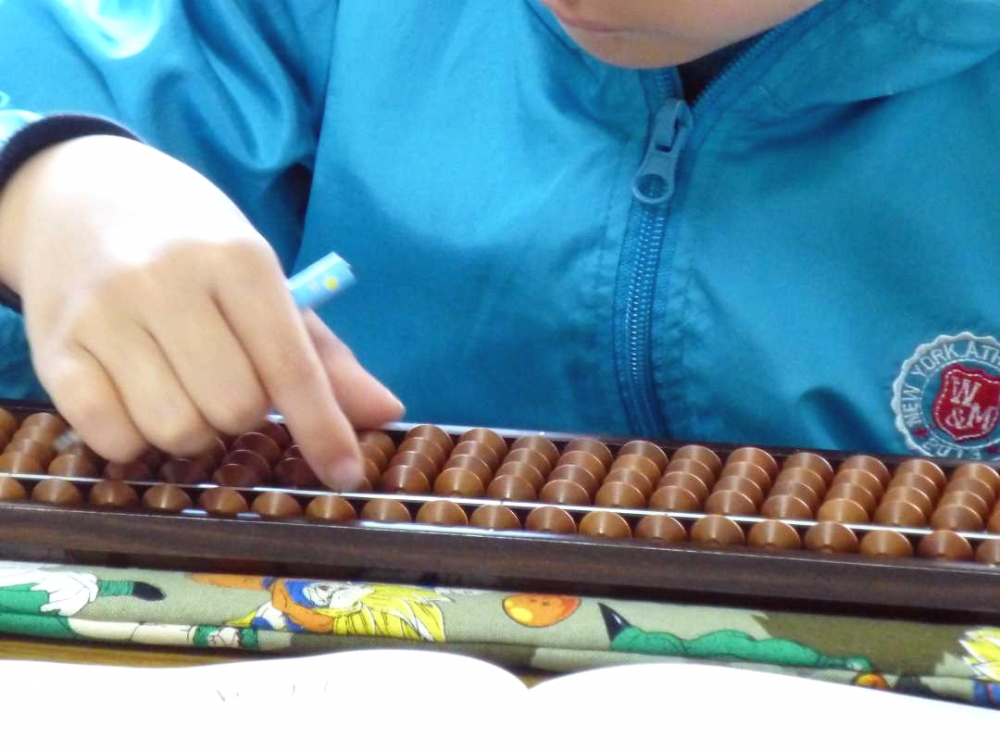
point(947, 398)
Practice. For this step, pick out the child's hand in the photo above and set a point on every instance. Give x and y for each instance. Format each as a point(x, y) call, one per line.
point(157, 315)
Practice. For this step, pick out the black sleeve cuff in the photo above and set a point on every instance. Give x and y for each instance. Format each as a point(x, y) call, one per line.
point(36, 137)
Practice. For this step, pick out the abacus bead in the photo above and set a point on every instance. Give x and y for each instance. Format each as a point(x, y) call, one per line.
point(911, 495)
point(693, 467)
point(223, 501)
point(869, 464)
point(786, 507)
point(408, 480)
point(8, 423)
point(166, 497)
point(564, 492)
point(132, 471)
point(385, 510)
point(968, 499)
point(330, 509)
point(470, 463)
point(495, 517)
point(426, 447)
point(660, 529)
point(585, 460)
point(885, 543)
point(276, 432)
point(806, 476)
point(368, 451)
point(296, 473)
point(860, 478)
point(754, 456)
point(11, 489)
point(235, 475)
point(276, 505)
point(842, 510)
point(510, 487)
point(482, 451)
point(717, 531)
point(899, 513)
point(742, 485)
point(603, 523)
point(113, 493)
point(859, 494)
point(550, 520)
point(72, 466)
point(945, 544)
point(647, 450)
point(810, 461)
point(372, 472)
point(36, 434)
point(830, 537)
point(705, 456)
point(249, 459)
point(442, 513)
point(20, 463)
point(460, 483)
point(488, 438)
point(260, 444)
point(685, 481)
point(421, 461)
point(925, 468)
point(773, 535)
point(983, 472)
point(957, 518)
point(633, 478)
point(82, 450)
point(993, 525)
point(970, 484)
point(379, 440)
point(917, 481)
point(988, 552)
point(433, 433)
point(639, 464)
point(533, 458)
point(46, 420)
point(57, 492)
point(41, 451)
point(730, 503)
point(797, 489)
point(577, 474)
point(538, 443)
point(528, 473)
point(754, 472)
point(676, 499)
point(620, 495)
point(594, 447)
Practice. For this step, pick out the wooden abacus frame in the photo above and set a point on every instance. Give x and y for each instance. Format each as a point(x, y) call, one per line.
point(808, 581)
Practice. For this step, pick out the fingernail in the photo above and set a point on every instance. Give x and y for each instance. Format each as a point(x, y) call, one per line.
point(346, 474)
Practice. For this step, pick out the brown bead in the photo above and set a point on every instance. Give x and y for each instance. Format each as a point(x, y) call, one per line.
point(843, 510)
point(811, 461)
point(693, 467)
point(371, 453)
point(330, 509)
point(459, 483)
point(587, 461)
point(236, 475)
point(977, 487)
point(945, 544)
point(222, 501)
point(113, 493)
point(276, 505)
point(564, 492)
point(968, 499)
point(528, 473)
point(533, 458)
point(578, 475)
point(859, 494)
point(988, 552)
point(379, 440)
point(993, 525)
point(620, 495)
point(426, 447)
point(540, 444)
point(41, 451)
point(11, 489)
point(211, 457)
point(132, 471)
point(295, 473)
point(442, 513)
point(37, 435)
point(885, 543)
point(647, 450)
point(910, 495)
point(860, 478)
point(57, 492)
point(685, 481)
point(742, 485)
point(371, 471)
point(757, 457)
point(550, 520)
point(899, 513)
point(511, 487)
point(166, 497)
point(72, 466)
point(427, 465)
point(806, 476)
point(830, 537)
point(488, 438)
point(20, 463)
point(482, 451)
point(869, 464)
point(916, 481)
point(470, 463)
point(639, 464)
point(730, 503)
point(496, 517)
point(773, 536)
point(433, 433)
point(276, 431)
point(981, 472)
point(47, 421)
point(797, 489)
point(406, 479)
point(676, 499)
point(384, 510)
point(605, 524)
point(705, 456)
point(261, 444)
point(184, 471)
point(8, 423)
point(925, 468)
point(957, 518)
point(717, 531)
point(594, 447)
point(786, 507)
point(660, 529)
point(634, 478)
point(747, 470)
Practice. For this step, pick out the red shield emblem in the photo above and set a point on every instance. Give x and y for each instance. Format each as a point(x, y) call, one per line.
point(967, 405)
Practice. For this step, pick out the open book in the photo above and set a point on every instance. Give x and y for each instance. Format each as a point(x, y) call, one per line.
point(405, 700)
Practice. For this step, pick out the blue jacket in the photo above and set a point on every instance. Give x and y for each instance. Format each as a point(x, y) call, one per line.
point(802, 257)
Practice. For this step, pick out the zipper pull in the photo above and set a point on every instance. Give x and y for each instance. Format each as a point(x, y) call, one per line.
point(654, 184)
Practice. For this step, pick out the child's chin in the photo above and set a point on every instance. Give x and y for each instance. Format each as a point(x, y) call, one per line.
point(635, 51)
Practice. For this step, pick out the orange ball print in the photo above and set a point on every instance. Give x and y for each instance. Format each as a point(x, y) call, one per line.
point(539, 610)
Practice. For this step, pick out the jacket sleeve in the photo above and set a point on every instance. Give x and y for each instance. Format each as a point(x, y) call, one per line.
point(234, 88)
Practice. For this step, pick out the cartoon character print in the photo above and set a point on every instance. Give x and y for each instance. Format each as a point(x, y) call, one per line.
point(341, 608)
point(983, 648)
point(539, 610)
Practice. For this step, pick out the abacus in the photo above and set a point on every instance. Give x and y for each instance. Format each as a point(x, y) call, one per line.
point(808, 529)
